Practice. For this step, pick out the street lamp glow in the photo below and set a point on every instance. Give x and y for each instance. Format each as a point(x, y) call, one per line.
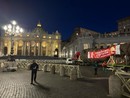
point(17, 28)
point(9, 30)
point(14, 22)
point(5, 27)
point(12, 30)
point(9, 26)
point(21, 30)
point(17, 31)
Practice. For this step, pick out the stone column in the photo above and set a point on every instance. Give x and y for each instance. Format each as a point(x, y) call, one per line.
point(9, 47)
point(59, 49)
point(46, 50)
point(14, 45)
point(29, 48)
point(23, 50)
point(17, 48)
point(39, 48)
point(52, 48)
point(25, 43)
point(2, 48)
point(35, 50)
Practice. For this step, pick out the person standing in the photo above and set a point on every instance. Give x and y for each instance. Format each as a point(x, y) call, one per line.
point(34, 67)
point(95, 64)
point(104, 65)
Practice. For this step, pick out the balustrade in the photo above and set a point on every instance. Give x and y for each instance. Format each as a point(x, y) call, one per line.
point(54, 66)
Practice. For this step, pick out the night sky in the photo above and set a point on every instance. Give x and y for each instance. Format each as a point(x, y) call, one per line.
point(65, 15)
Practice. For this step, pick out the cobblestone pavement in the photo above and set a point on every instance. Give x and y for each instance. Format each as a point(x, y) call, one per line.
point(17, 85)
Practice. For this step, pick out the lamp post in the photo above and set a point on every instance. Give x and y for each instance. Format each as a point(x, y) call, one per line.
point(12, 29)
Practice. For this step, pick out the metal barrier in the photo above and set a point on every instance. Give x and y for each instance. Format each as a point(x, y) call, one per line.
point(52, 66)
point(9, 66)
point(125, 79)
point(67, 69)
point(120, 85)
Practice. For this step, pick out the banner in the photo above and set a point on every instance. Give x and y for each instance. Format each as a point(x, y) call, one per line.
point(104, 52)
point(118, 49)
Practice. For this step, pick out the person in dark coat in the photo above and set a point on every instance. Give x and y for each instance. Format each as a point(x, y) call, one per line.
point(34, 67)
point(95, 64)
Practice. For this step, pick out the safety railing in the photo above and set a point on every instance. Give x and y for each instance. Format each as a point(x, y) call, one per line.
point(125, 79)
point(51, 66)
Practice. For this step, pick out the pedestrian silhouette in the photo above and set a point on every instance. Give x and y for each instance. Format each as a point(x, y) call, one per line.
point(34, 67)
point(95, 64)
point(104, 65)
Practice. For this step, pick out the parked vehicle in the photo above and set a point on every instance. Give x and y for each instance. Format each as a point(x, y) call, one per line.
point(69, 61)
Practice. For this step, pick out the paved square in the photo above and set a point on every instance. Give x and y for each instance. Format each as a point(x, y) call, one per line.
point(17, 85)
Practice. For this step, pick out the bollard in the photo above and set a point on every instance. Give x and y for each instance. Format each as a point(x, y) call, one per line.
point(2, 65)
point(45, 68)
point(52, 69)
point(114, 86)
point(73, 74)
point(62, 71)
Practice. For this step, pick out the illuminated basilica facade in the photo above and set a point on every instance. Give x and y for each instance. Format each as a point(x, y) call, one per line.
point(35, 43)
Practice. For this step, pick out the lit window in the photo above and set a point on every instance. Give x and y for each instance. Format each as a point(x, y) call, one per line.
point(85, 46)
point(56, 46)
point(44, 36)
point(37, 44)
point(27, 43)
point(55, 52)
point(20, 44)
point(57, 37)
point(27, 35)
point(5, 44)
point(49, 37)
point(43, 44)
